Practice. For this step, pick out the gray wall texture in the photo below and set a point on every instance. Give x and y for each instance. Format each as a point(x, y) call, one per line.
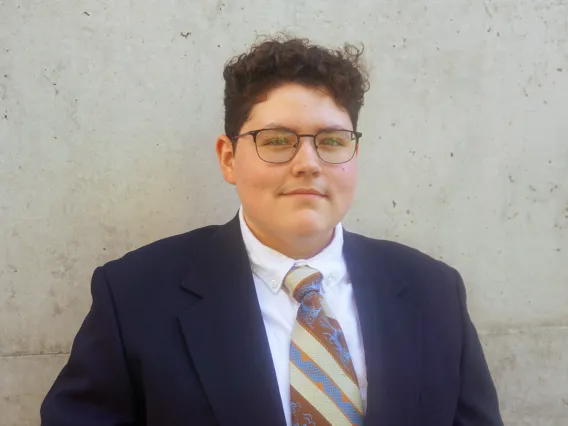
point(109, 113)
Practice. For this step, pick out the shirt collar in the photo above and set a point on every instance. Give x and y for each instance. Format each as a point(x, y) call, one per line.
point(272, 266)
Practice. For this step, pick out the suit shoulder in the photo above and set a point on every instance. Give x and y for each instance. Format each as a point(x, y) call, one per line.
point(404, 259)
point(170, 253)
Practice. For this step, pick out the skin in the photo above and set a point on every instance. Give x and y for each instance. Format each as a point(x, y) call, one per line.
point(296, 225)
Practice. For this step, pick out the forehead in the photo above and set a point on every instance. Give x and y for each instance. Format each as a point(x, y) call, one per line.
point(300, 108)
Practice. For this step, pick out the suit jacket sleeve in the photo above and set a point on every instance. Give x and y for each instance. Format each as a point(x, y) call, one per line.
point(94, 388)
point(478, 403)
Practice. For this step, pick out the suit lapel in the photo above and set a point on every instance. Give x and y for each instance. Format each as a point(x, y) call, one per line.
point(391, 329)
point(225, 334)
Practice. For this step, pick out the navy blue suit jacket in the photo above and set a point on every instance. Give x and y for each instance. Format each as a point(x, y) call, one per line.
point(175, 337)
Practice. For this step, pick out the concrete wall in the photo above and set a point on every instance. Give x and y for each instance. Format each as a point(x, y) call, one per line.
point(109, 111)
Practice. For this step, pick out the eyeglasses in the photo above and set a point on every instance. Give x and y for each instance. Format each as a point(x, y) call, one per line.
point(280, 145)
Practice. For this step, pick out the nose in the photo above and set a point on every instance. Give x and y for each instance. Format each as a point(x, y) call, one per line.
point(306, 160)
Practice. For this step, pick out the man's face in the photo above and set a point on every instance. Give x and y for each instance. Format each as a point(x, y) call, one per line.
point(265, 189)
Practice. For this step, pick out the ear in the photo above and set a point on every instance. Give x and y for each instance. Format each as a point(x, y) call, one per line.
point(226, 157)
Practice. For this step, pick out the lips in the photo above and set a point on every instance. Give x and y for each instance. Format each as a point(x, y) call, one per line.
point(304, 191)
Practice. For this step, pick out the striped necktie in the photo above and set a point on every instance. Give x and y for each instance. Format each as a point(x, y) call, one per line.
point(323, 385)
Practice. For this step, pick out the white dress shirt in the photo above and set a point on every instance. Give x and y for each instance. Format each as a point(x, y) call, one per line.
point(279, 309)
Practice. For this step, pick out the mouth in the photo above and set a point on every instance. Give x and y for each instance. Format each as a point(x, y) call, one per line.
point(304, 192)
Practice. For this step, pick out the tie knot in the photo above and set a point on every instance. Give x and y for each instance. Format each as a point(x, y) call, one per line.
point(302, 280)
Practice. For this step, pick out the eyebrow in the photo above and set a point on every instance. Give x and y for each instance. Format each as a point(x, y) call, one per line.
point(276, 125)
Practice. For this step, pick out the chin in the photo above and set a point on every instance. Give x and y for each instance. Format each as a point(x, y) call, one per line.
point(308, 223)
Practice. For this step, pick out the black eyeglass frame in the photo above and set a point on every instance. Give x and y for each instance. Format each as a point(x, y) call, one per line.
point(253, 133)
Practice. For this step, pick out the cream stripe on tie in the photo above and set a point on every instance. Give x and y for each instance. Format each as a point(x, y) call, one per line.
point(323, 384)
point(318, 399)
point(308, 344)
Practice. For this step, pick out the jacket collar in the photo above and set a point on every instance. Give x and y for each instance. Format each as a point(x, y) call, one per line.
point(225, 335)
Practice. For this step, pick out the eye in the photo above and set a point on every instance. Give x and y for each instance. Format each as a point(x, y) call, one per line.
point(276, 141)
point(332, 142)
point(334, 139)
point(275, 138)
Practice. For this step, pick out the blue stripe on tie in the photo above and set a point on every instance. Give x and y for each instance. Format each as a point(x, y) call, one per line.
point(315, 374)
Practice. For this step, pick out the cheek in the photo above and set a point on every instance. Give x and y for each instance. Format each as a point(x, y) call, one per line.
point(346, 179)
point(253, 180)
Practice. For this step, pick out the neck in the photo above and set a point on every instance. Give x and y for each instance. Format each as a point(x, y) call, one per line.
point(294, 246)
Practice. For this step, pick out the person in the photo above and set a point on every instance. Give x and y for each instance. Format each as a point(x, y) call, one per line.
point(280, 316)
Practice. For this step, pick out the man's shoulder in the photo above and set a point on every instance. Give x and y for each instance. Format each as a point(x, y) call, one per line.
point(401, 259)
point(171, 254)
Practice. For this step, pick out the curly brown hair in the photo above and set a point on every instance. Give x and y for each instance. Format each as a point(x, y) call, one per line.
point(279, 60)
